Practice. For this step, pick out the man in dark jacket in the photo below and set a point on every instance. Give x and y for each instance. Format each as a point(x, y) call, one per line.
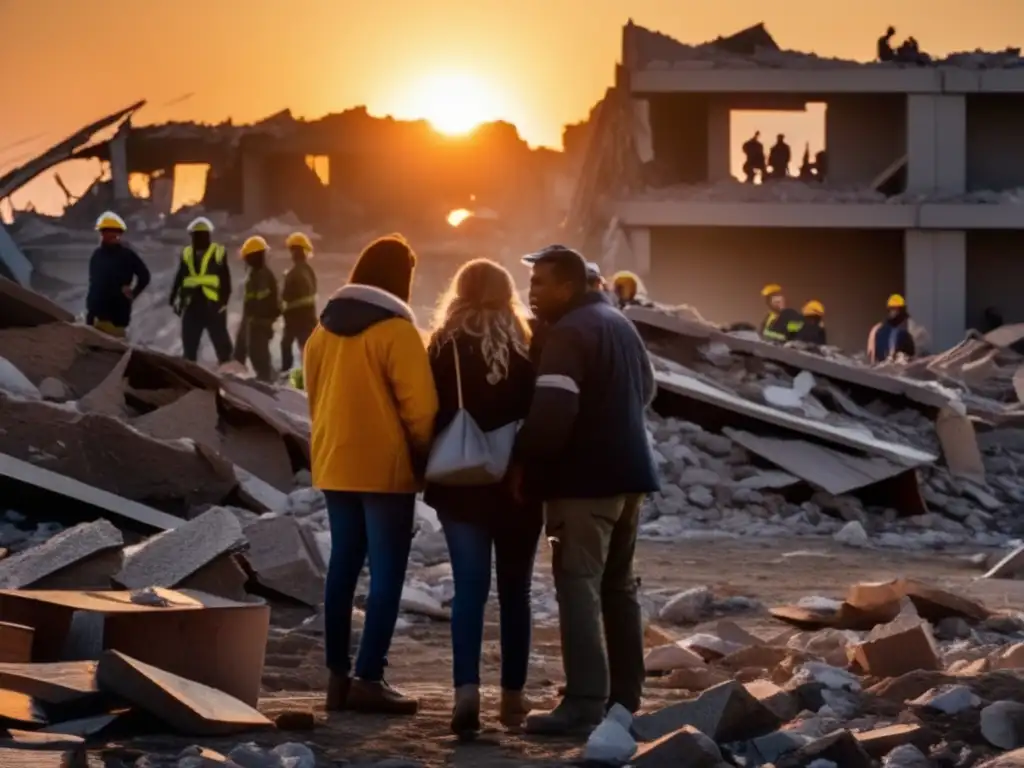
point(595, 283)
point(201, 291)
point(892, 337)
point(586, 441)
point(259, 310)
point(116, 278)
point(813, 330)
point(298, 299)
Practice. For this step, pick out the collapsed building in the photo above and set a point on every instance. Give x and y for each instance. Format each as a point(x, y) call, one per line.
point(921, 198)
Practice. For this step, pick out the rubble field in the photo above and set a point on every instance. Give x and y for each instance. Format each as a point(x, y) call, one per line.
point(829, 573)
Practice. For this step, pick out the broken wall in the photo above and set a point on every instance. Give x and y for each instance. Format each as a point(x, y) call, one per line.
point(722, 270)
point(995, 274)
point(679, 132)
point(864, 135)
point(995, 125)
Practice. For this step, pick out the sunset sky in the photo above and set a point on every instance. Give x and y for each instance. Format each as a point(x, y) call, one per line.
point(536, 63)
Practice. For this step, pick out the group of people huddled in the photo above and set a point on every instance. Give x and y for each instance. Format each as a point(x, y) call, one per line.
point(573, 379)
point(886, 339)
point(201, 291)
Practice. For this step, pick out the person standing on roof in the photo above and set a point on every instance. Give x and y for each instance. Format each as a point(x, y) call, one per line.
point(116, 278)
point(298, 299)
point(778, 158)
point(754, 164)
point(813, 331)
point(781, 323)
point(885, 50)
point(259, 310)
point(892, 337)
point(200, 293)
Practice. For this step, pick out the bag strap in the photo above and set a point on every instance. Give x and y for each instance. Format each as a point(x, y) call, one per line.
point(458, 372)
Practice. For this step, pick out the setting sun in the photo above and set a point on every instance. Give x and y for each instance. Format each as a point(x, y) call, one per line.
point(454, 104)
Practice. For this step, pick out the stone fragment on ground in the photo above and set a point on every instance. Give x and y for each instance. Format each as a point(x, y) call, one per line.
point(84, 557)
point(1002, 724)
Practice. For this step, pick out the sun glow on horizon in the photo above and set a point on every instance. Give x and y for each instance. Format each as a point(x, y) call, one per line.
point(454, 103)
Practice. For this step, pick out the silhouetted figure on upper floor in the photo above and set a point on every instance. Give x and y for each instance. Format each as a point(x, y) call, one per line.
point(885, 51)
point(778, 158)
point(910, 53)
point(821, 165)
point(753, 149)
point(806, 166)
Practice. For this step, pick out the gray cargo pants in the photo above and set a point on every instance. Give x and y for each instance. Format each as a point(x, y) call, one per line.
point(593, 542)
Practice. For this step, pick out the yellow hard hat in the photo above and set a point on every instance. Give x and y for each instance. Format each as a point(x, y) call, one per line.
point(254, 244)
point(771, 289)
point(625, 277)
point(896, 302)
point(814, 308)
point(110, 220)
point(299, 240)
point(201, 224)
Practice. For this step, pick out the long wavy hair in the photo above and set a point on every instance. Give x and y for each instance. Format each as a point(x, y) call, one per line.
point(482, 302)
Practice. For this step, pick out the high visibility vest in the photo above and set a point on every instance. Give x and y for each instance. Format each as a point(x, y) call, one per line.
point(208, 283)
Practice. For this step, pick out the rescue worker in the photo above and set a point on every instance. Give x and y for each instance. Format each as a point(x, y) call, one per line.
point(200, 293)
point(778, 158)
point(813, 331)
point(892, 337)
point(259, 310)
point(628, 289)
point(298, 299)
point(781, 323)
point(116, 278)
point(754, 165)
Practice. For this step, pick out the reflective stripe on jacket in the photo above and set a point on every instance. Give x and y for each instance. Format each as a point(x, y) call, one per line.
point(305, 301)
point(202, 279)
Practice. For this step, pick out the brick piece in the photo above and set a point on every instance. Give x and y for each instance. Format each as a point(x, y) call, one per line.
point(899, 647)
point(683, 748)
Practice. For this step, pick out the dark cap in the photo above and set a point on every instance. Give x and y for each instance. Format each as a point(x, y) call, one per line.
point(552, 250)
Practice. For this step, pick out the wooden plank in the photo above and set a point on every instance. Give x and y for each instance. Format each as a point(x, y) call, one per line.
point(15, 643)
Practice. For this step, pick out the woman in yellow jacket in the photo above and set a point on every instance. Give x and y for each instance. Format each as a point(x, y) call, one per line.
point(372, 402)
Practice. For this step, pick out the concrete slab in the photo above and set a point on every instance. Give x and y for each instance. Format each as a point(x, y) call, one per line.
point(169, 558)
point(726, 712)
point(285, 559)
point(684, 748)
point(82, 542)
point(186, 706)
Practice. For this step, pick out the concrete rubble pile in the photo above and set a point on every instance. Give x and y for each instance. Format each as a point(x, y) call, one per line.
point(763, 440)
point(900, 674)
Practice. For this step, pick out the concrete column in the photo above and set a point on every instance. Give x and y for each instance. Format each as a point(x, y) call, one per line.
point(253, 181)
point(936, 144)
point(935, 273)
point(119, 163)
point(640, 245)
point(719, 138)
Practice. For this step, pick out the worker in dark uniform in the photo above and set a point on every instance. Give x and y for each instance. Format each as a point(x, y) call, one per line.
point(200, 293)
point(259, 311)
point(781, 323)
point(892, 337)
point(116, 278)
point(298, 299)
point(813, 331)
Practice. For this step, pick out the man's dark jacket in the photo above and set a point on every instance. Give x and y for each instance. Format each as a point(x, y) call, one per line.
point(586, 435)
point(112, 267)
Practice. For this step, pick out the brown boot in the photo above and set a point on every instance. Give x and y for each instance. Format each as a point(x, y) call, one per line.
point(514, 709)
point(379, 698)
point(466, 712)
point(337, 692)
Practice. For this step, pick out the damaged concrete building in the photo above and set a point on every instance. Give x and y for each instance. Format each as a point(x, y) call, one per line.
point(920, 199)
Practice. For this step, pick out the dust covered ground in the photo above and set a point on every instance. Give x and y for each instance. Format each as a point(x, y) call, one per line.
point(768, 572)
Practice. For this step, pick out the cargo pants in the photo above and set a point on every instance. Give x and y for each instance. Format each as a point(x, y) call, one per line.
point(593, 542)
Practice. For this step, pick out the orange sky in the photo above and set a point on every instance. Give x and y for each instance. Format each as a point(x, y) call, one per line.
point(545, 62)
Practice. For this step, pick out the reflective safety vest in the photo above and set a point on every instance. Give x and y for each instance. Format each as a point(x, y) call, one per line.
point(305, 301)
point(772, 333)
point(209, 283)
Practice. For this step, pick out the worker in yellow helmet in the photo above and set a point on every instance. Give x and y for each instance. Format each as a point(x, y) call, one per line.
point(892, 337)
point(259, 310)
point(781, 323)
point(200, 293)
point(813, 330)
point(628, 289)
point(298, 299)
point(116, 278)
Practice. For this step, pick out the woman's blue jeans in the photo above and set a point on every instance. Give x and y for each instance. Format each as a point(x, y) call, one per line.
point(515, 549)
point(378, 525)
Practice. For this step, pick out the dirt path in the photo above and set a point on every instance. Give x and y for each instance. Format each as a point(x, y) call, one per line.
point(420, 659)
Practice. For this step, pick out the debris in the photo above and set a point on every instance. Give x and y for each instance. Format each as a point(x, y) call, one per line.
point(23, 308)
point(685, 747)
point(15, 642)
point(725, 712)
point(285, 558)
point(611, 743)
point(852, 535)
point(951, 699)
point(901, 646)
point(13, 381)
point(1002, 724)
point(1008, 567)
point(687, 607)
point(186, 705)
point(93, 550)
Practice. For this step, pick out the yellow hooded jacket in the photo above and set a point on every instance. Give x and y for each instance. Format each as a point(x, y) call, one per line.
point(372, 398)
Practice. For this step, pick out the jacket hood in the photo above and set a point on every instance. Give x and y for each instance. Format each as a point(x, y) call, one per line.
point(355, 308)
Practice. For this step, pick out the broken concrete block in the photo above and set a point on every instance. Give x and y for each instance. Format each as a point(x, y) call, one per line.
point(259, 495)
point(611, 743)
point(839, 747)
point(852, 535)
point(54, 390)
point(15, 643)
point(185, 705)
point(898, 647)
point(951, 699)
point(286, 559)
point(782, 703)
point(418, 601)
point(108, 396)
point(906, 756)
point(171, 557)
point(726, 712)
point(686, 747)
point(76, 548)
point(671, 656)
point(14, 382)
point(1002, 724)
point(687, 607)
point(880, 741)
